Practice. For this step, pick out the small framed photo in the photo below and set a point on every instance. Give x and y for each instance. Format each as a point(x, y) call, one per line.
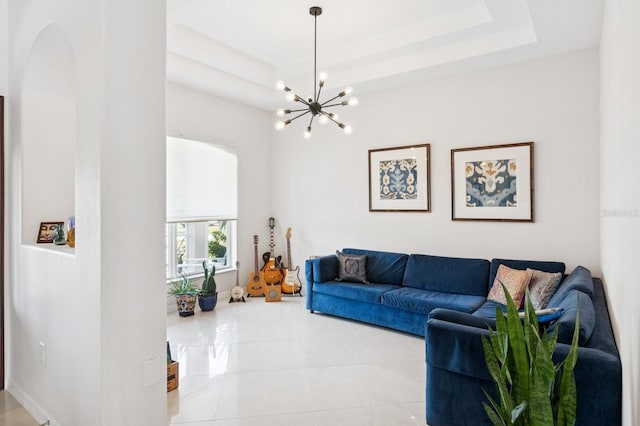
point(47, 232)
point(493, 183)
point(399, 179)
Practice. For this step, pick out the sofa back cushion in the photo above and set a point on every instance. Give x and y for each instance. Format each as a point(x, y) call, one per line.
point(524, 264)
point(580, 279)
point(447, 274)
point(382, 267)
point(574, 301)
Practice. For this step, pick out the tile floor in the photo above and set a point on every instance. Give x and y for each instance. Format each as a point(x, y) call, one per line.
point(259, 363)
point(12, 413)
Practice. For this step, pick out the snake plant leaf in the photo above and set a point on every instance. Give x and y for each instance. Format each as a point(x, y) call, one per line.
point(496, 373)
point(520, 372)
point(493, 411)
point(567, 402)
point(542, 381)
point(518, 411)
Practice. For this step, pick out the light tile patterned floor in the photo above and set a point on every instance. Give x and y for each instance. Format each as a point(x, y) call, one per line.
point(259, 363)
point(12, 413)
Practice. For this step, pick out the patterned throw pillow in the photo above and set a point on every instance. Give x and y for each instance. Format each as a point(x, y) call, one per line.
point(516, 282)
point(543, 285)
point(352, 267)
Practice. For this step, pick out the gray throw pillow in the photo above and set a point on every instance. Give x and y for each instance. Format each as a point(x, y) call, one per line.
point(542, 286)
point(352, 267)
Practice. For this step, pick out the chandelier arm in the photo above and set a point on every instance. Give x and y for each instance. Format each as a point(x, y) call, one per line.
point(335, 121)
point(311, 121)
point(329, 100)
point(298, 110)
point(299, 99)
point(318, 95)
point(298, 116)
point(332, 105)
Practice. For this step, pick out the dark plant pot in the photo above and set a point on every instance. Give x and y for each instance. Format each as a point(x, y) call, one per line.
point(186, 304)
point(208, 303)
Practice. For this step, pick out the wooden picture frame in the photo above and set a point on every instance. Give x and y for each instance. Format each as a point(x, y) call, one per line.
point(47, 232)
point(400, 179)
point(493, 183)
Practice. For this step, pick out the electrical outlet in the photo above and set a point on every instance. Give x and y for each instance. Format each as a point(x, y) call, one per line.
point(42, 353)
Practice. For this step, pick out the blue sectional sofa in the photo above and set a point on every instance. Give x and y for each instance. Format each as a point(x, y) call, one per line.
point(445, 300)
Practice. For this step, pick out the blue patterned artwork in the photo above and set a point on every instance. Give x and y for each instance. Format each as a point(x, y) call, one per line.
point(491, 183)
point(398, 179)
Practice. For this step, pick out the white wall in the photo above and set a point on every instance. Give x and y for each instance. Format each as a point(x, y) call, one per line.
point(322, 184)
point(620, 197)
point(194, 115)
point(99, 309)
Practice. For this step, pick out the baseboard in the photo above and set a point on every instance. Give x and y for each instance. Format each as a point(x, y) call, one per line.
point(37, 412)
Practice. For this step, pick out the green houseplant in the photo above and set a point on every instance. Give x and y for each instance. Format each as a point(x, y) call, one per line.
point(531, 389)
point(208, 294)
point(185, 293)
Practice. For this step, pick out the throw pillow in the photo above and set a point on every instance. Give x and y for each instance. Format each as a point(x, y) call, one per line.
point(516, 282)
point(543, 285)
point(352, 267)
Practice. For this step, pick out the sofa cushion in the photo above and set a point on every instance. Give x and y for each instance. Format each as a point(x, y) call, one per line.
point(424, 301)
point(524, 264)
point(447, 274)
point(352, 267)
point(382, 267)
point(488, 309)
point(579, 279)
point(371, 292)
point(514, 280)
point(572, 302)
point(542, 286)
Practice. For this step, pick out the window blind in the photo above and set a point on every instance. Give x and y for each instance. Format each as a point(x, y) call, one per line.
point(202, 181)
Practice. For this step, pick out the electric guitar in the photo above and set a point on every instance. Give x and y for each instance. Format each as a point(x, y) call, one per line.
point(291, 281)
point(255, 285)
point(272, 271)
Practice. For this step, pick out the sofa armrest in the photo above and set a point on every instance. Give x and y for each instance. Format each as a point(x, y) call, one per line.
point(456, 346)
point(462, 318)
point(324, 268)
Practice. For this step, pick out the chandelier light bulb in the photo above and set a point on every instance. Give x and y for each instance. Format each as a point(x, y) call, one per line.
point(280, 112)
point(353, 101)
point(323, 119)
point(280, 85)
point(348, 130)
point(279, 125)
point(322, 76)
point(347, 90)
point(307, 133)
point(291, 97)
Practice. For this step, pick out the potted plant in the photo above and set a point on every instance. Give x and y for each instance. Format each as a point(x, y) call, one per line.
point(531, 389)
point(208, 294)
point(185, 293)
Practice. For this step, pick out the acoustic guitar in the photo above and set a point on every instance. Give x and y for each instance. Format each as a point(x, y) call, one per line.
point(272, 271)
point(291, 281)
point(255, 285)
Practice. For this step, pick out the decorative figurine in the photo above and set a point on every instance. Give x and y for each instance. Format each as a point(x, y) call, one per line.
point(58, 237)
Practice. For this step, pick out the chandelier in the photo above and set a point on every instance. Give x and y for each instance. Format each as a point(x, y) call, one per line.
point(313, 105)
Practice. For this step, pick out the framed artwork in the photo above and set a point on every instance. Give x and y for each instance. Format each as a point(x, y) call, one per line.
point(47, 231)
point(492, 183)
point(399, 179)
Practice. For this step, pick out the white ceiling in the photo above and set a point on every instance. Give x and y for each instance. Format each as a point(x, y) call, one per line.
point(238, 49)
